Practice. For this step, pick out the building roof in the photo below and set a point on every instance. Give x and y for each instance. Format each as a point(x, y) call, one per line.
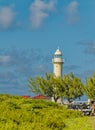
point(26, 96)
point(40, 97)
point(58, 52)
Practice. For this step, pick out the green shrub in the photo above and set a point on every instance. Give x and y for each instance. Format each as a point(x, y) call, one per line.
point(17, 113)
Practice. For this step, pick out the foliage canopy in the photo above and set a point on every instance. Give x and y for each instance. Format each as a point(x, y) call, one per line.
point(73, 87)
point(89, 87)
point(69, 86)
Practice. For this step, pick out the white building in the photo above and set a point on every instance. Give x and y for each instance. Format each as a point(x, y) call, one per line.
point(57, 62)
point(57, 66)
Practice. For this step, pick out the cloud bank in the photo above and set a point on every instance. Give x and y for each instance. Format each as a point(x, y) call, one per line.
point(16, 67)
point(40, 10)
point(7, 17)
point(89, 47)
point(72, 11)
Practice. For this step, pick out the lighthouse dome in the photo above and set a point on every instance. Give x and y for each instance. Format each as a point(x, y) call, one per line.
point(58, 52)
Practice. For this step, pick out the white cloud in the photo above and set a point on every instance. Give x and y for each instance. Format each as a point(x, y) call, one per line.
point(4, 59)
point(39, 11)
point(7, 16)
point(72, 12)
point(89, 46)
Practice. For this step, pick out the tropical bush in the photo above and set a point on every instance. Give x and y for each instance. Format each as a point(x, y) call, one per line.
point(18, 113)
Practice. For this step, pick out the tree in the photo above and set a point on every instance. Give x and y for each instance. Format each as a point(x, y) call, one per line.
point(89, 87)
point(50, 85)
point(73, 87)
point(69, 86)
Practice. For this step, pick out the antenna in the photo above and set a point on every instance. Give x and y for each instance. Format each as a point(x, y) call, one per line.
point(58, 47)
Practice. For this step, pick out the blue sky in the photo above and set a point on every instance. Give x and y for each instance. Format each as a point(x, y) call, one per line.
point(31, 31)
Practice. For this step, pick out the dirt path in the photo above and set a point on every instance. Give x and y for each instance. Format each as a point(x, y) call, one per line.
point(93, 122)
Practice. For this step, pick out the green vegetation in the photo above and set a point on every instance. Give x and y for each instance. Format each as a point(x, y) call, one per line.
point(69, 86)
point(18, 113)
point(89, 87)
point(73, 87)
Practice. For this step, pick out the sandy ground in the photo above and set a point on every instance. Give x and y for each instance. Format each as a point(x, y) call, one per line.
point(93, 122)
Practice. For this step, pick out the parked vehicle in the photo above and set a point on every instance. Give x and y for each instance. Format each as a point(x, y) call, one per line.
point(84, 108)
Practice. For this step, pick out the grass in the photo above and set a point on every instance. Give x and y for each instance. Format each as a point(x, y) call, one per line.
point(82, 123)
point(92, 120)
point(17, 113)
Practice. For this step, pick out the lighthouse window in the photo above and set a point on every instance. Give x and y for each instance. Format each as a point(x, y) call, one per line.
point(58, 56)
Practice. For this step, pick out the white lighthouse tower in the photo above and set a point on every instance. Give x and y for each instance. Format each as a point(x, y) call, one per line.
point(57, 62)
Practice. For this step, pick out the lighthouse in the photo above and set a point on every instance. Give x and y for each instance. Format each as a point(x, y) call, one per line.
point(57, 67)
point(57, 63)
